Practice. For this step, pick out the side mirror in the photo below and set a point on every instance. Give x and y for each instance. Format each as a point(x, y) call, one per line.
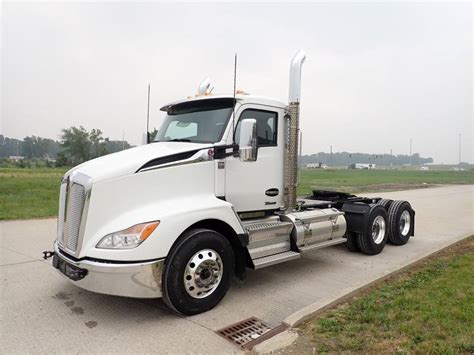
point(248, 140)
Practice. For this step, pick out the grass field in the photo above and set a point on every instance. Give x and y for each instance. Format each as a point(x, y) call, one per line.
point(352, 180)
point(428, 310)
point(30, 193)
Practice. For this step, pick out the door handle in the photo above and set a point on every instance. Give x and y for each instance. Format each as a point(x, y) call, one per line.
point(272, 192)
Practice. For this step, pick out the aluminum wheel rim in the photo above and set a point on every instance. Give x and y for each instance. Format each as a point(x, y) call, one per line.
point(378, 229)
point(203, 273)
point(405, 223)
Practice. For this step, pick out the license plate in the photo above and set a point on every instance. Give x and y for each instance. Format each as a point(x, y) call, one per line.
point(73, 272)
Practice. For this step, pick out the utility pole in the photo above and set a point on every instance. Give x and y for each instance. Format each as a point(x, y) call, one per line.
point(330, 156)
point(410, 150)
point(391, 158)
point(460, 149)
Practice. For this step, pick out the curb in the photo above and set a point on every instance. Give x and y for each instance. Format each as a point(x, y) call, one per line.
point(279, 341)
point(320, 306)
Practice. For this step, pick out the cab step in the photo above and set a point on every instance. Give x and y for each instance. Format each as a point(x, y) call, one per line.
point(268, 236)
point(275, 259)
point(264, 230)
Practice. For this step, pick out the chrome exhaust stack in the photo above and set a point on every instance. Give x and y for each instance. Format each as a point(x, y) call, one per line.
point(292, 141)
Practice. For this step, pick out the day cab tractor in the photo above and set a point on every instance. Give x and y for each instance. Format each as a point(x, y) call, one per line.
point(212, 196)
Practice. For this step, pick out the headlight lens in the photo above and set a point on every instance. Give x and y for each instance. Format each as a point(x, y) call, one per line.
point(128, 238)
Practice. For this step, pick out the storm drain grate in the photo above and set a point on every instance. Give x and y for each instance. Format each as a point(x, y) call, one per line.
point(249, 332)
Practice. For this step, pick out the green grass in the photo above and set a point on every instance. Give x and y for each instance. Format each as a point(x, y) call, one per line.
point(427, 310)
point(29, 193)
point(351, 180)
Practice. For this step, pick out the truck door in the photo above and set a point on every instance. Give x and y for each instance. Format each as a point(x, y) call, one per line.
point(257, 186)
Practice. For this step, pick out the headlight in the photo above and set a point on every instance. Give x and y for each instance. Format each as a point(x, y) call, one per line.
point(128, 238)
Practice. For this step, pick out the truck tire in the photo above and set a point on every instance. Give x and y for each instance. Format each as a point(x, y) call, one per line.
point(197, 272)
point(373, 239)
point(400, 219)
point(385, 203)
point(351, 241)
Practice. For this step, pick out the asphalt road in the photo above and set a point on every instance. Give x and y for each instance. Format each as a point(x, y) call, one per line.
point(41, 313)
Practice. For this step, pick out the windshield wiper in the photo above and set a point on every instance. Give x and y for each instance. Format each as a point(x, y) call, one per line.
point(179, 140)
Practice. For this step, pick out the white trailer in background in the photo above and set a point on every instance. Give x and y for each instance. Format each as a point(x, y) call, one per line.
point(215, 194)
point(365, 166)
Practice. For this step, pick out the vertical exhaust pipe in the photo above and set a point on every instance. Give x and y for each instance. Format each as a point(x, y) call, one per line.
point(291, 151)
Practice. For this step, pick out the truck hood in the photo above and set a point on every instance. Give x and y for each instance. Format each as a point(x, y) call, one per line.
point(130, 160)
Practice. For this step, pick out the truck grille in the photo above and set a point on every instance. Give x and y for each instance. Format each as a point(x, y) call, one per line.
point(71, 206)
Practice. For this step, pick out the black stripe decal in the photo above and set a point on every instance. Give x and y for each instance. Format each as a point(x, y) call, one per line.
point(169, 159)
point(220, 152)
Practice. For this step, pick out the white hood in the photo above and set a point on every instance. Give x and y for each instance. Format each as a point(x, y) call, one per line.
point(130, 160)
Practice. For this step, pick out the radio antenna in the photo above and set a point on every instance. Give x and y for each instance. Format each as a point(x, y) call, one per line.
point(233, 107)
point(235, 88)
point(148, 117)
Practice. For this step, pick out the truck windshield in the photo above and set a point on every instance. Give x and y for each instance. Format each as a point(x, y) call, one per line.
point(201, 121)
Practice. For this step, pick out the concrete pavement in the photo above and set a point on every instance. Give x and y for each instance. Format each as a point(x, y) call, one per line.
point(41, 312)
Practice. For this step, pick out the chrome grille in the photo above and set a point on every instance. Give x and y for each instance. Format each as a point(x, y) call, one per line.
point(76, 198)
point(71, 206)
point(61, 212)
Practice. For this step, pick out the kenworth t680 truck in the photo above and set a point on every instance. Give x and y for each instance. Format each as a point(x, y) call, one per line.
point(213, 195)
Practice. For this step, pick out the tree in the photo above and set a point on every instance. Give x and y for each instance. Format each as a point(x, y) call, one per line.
point(153, 134)
point(36, 147)
point(79, 145)
point(116, 146)
point(98, 143)
point(61, 160)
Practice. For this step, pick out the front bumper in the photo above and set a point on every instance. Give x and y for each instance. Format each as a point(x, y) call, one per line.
point(140, 280)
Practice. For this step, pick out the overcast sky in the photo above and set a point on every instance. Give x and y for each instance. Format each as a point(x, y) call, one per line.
point(376, 74)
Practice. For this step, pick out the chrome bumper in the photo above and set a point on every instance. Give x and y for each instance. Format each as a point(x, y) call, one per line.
point(140, 280)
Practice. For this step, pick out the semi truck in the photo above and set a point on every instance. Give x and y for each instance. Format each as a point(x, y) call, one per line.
point(214, 195)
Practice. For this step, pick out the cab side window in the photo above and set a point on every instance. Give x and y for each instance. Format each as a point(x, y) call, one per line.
point(267, 122)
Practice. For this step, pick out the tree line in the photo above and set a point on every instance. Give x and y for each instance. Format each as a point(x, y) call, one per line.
point(75, 146)
point(346, 159)
point(78, 145)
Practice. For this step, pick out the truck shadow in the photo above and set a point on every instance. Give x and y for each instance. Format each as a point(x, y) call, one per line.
point(103, 310)
point(106, 309)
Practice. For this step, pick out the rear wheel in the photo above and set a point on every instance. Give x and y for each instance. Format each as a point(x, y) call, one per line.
point(351, 241)
point(385, 203)
point(373, 239)
point(400, 221)
point(198, 272)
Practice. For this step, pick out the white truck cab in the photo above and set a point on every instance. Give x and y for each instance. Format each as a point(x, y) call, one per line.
point(213, 195)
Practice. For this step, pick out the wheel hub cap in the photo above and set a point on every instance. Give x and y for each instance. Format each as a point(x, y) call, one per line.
point(378, 229)
point(203, 273)
point(405, 222)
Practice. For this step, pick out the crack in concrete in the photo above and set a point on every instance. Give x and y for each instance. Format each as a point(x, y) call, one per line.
point(21, 262)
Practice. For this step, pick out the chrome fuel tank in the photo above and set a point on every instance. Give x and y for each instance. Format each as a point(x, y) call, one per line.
point(316, 226)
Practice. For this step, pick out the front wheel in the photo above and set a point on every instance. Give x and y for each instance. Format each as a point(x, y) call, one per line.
point(198, 272)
